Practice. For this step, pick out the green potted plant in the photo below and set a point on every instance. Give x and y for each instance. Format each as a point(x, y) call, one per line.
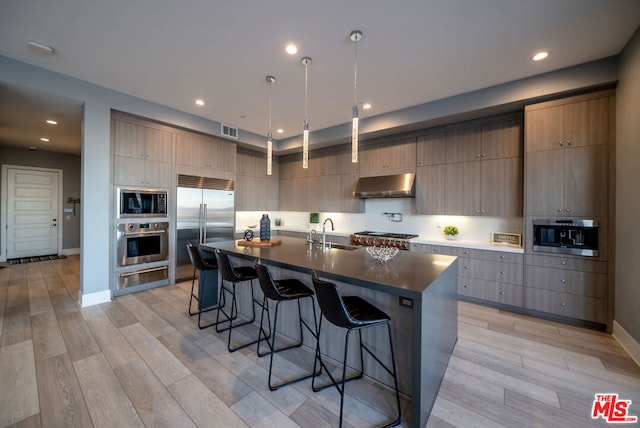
point(451, 232)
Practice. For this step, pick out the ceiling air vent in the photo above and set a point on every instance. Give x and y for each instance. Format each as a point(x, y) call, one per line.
point(229, 131)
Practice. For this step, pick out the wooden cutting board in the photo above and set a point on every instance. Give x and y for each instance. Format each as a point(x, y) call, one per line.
point(259, 243)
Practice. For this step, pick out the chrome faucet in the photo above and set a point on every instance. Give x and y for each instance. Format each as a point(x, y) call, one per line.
point(324, 234)
point(310, 237)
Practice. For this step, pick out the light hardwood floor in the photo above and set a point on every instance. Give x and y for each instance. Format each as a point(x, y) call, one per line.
point(140, 361)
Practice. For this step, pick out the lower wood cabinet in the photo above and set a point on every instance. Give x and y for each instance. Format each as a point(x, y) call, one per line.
point(568, 286)
point(566, 304)
point(507, 294)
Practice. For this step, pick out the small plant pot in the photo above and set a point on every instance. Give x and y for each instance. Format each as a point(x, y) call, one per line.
point(451, 237)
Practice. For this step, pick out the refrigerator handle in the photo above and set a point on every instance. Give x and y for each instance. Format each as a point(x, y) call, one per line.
point(204, 223)
point(200, 229)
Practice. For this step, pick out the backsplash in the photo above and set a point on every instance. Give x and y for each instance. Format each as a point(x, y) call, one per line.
point(472, 228)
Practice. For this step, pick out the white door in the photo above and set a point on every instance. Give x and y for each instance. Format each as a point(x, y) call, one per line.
point(32, 213)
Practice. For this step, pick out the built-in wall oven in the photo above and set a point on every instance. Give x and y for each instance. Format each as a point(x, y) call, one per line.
point(566, 236)
point(142, 253)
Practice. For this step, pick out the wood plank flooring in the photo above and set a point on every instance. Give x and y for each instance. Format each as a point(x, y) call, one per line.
point(141, 361)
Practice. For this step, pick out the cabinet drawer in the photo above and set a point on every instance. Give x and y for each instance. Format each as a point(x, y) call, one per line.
point(492, 271)
point(497, 256)
point(431, 249)
point(570, 263)
point(567, 281)
point(569, 305)
point(489, 290)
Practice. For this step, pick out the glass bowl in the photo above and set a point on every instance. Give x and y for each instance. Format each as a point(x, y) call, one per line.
point(382, 254)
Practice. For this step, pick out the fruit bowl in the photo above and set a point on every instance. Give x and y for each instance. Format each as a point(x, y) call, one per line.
point(382, 254)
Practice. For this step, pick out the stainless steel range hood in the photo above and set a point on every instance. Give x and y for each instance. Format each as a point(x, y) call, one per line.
point(386, 186)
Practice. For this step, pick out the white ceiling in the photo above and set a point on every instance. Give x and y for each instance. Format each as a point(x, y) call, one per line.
point(412, 52)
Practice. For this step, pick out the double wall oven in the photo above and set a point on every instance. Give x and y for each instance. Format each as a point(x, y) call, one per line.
point(142, 240)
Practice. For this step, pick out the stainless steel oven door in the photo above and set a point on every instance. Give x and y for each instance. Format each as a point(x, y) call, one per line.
point(139, 243)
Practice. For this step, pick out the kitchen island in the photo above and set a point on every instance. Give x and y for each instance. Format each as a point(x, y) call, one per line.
point(418, 291)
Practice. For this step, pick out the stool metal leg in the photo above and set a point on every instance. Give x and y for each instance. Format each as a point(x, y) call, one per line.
point(272, 345)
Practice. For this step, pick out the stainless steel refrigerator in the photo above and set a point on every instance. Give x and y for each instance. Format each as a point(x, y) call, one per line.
point(205, 214)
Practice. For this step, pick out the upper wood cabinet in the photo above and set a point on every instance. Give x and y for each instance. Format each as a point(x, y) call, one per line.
point(430, 149)
point(483, 172)
point(143, 156)
point(207, 153)
point(567, 160)
point(580, 121)
point(254, 189)
point(387, 158)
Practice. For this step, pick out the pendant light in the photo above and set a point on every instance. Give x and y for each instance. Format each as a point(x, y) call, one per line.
point(271, 80)
point(356, 36)
point(305, 131)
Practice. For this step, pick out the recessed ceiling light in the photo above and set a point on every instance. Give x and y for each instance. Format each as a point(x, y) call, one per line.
point(52, 122)
point(366, 106)
point(46, 140)
point(540, 56)
point(199, 102)
point(291, 49)
point(280, 131)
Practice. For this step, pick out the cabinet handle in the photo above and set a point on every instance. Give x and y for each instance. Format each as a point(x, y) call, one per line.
point(502, 256)
point(568, 210)
point(563, 304)
point(568, 142)
point(560, 142)
point(502, 293)
point(564, 281)
point(559, 210)
point(501, 272)
point(478, 211)
point(478, 156)
point(465, 286)
point(466, 253)
point(466, 267)
point(563, 263)
point(484, 155)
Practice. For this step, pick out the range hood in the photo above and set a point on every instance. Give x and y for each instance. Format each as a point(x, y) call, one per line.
point(386, 186)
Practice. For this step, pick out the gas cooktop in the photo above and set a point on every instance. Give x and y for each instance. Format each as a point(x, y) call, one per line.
point(387, 235)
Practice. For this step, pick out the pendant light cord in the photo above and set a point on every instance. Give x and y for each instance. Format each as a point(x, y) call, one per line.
point(306, 79)
point(355, 75)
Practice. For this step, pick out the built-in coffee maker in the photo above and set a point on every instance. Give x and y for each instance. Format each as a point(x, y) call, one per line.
point(567, 236)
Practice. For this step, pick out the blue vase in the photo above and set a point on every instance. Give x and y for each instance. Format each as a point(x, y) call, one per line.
point(265, 228)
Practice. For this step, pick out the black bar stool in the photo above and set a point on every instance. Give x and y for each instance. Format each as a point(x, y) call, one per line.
point(281, 290)
point(352, 313)
point(200, 265)
point(234, 275)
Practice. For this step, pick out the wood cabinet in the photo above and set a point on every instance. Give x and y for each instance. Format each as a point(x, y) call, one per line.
point(327, 185)
point(430, 174)
point(493, 276)
point(205, 156)
point(567, 286)
point(388, 157)
point(254, 189)
point(567, 156)
point(484, 170)
point(143, 156)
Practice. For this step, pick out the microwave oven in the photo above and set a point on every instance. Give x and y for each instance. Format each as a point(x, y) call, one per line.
point(142, 203)
point(566, 236)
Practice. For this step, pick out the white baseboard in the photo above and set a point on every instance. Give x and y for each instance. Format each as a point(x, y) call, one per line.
point(627, 342)
point(94, 298)
point(70, 251)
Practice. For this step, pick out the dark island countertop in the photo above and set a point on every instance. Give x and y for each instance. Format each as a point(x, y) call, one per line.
point(407, 274)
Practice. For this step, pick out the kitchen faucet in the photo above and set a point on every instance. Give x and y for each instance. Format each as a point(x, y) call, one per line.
point(324, 234)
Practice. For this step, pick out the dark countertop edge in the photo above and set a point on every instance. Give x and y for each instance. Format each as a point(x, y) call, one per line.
point(386, 288)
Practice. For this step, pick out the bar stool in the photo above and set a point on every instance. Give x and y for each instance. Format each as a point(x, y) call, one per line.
point(281, 290)
point(200, 265)
point(234, 275)
point(354, 314)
